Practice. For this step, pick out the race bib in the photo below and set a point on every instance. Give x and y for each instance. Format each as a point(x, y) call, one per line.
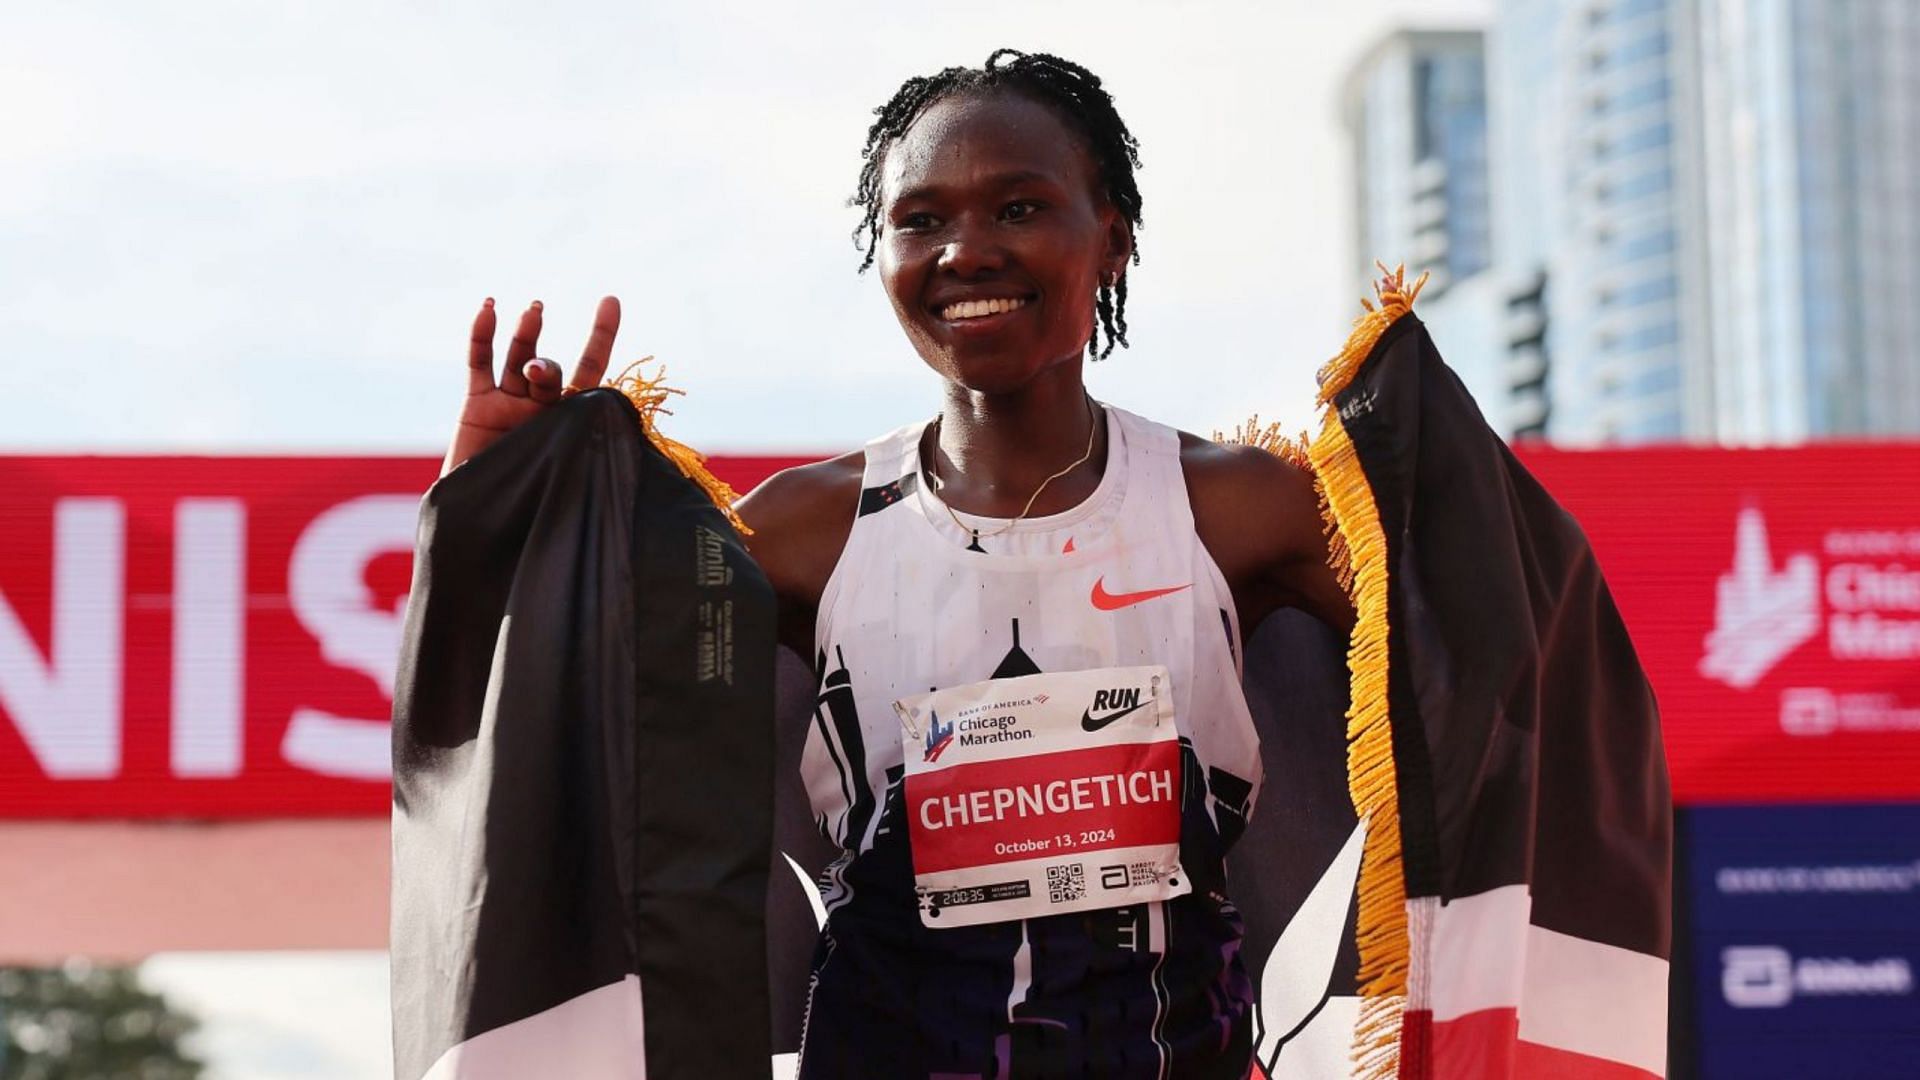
point(1044, 794)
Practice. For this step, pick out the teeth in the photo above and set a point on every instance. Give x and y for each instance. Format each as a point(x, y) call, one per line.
point(975, 309)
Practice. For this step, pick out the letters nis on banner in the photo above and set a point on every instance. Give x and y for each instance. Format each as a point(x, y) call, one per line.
point(207, 637)
point(201, 637)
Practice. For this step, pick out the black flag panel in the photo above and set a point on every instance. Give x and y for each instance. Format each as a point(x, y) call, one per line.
point(1504, 751)
point(583, 768)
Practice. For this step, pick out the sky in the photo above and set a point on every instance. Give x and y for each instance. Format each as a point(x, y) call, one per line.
point(282, 1016)
point(231, 227)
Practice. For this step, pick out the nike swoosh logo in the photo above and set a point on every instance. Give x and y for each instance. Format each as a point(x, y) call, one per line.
point(1090, 722)
point(1107, 601)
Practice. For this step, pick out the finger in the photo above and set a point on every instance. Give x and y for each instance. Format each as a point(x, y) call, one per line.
point(513, 378)
point(593, 360)
point(543, 380)
point(480, 351)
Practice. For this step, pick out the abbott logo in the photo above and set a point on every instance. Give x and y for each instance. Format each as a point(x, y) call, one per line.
point(1761, 614)
point(1756, 977)
point(1768, 977)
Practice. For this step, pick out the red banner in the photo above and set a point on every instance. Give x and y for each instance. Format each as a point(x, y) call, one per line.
point(200, 637)
point(1774, 598)
point(214, 637)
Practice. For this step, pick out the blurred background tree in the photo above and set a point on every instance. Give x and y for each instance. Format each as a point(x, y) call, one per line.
point(88, 1022)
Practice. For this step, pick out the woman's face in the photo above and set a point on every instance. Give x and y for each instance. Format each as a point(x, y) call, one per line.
point(994, 236)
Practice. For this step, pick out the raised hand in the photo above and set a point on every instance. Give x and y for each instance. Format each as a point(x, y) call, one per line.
point(527, 383)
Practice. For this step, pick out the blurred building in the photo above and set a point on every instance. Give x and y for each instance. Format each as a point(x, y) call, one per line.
point(1810, 156)
point(1415, 108)
point(1590, 123)
point(1703, 213)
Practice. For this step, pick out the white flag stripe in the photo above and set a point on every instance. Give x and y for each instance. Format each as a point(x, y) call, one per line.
point(1594, 999)
point(1572, 994)
point(596, 1036)
point(1478, 954)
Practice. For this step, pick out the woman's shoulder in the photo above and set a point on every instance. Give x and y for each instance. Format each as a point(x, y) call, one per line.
point(1251, 507)
point(801, 518)
point(812, 481)
point(1236, 467)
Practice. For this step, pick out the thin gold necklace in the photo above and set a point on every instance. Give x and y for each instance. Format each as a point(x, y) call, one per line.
point(1093, 429)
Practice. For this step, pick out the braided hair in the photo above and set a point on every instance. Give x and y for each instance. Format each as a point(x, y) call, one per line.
point(1071, 89)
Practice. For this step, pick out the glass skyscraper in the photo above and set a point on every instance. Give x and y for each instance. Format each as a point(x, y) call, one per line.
point(1590, 191)
point(1416, 107)
point(1706, 213)
point(1810, 156)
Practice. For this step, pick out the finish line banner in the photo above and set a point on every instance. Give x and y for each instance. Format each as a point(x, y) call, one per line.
point(214, 637)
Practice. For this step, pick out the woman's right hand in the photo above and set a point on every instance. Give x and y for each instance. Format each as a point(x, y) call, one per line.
point(527, 383)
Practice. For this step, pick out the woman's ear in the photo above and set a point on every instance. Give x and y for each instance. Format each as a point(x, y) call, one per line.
point(1119, 250)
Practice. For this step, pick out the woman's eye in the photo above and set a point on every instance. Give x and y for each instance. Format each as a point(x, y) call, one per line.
point(916, 221)
point(1017, 210)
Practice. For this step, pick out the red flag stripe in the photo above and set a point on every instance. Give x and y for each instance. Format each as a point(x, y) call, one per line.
point(1487, 1045)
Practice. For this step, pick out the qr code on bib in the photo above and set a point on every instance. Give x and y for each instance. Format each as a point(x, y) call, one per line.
point(1066, 883)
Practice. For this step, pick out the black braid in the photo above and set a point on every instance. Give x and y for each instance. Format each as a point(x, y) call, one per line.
point(1067, 86)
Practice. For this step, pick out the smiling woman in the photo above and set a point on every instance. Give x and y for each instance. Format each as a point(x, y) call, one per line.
point(1024, 541)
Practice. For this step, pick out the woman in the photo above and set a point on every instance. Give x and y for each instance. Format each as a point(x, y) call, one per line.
point(1025, 533)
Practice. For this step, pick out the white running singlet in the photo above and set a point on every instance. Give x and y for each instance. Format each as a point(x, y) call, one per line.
point(1122, 580)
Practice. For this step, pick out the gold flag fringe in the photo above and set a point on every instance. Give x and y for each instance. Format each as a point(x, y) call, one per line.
point(1381, 926)
point(1293, 450)
point(649, 396)
point(1382, 935)
point(1396, 299)
point(1357, 553)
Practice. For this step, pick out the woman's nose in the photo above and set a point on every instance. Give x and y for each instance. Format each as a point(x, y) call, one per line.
point(970, 250)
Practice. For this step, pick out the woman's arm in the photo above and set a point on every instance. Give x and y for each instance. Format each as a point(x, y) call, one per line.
point(1259, 517)
point(801, 518)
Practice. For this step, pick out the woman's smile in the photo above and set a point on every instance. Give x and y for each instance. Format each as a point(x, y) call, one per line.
point(974, 310)
point(983, 318)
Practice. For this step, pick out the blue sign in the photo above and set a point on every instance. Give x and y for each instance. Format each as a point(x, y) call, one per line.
point(1805, 939)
